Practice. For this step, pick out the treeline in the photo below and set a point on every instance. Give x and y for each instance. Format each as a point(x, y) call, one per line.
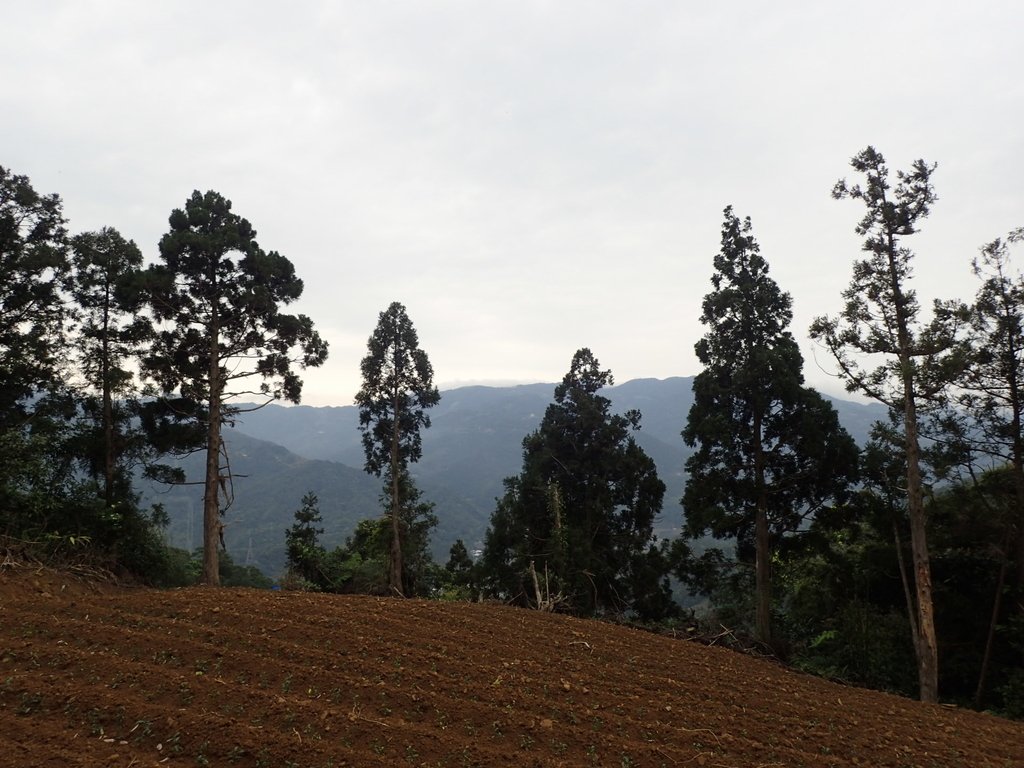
point(109, 368)
point(898, 564)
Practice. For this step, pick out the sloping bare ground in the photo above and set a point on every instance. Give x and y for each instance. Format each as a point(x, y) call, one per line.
point(91, 675)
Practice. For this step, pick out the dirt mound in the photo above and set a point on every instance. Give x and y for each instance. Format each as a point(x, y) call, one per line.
point(100, 677)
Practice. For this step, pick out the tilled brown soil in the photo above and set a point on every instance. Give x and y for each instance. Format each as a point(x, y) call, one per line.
point(96, 676)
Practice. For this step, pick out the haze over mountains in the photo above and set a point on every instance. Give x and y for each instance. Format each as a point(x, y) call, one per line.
point(279, 453)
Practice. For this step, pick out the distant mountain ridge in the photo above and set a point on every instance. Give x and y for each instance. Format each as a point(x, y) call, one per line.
point(474, 442)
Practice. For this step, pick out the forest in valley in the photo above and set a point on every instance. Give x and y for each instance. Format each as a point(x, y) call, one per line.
point(896, 564)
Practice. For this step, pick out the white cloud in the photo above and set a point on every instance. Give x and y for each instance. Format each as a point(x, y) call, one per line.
point(526, 177)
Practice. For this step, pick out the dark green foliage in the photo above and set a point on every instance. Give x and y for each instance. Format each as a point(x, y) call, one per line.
point(653, 598)
point(417, 520)
point(987, 425)
point(33, 271)
point(969, 524)
point(581, 510)
point(110, 336)
point(770, 454)
point(366, 556)
point(459, 579)
point(880, 316)
point(234, 575)
point(184, 569)
point(41, 494)
point(459, 562)
point(360, 566)
point(398, 388)
point(371, 545)
point(842, 610)
point(1011, 691)
point(302, 544)
point(217, 287)
point(55, 511)
point(993, 381)
point(844, 600)
point(49, 432)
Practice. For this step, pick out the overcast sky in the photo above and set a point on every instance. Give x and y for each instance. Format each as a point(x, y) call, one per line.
point(528, 178)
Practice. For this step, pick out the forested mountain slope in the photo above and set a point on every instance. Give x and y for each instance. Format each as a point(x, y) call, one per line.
point(279, 453)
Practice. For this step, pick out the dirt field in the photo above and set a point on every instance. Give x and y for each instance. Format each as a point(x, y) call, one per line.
point(95, 676)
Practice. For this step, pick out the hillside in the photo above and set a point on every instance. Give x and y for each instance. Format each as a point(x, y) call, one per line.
point(475, 442)
point(96, 676)
point(269, 484)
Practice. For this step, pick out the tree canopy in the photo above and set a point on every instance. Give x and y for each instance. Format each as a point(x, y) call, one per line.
point(770, 453)
point(884, 351)
point(218, 296)
point(580, 514)
point(34, 265)
point(398, 388)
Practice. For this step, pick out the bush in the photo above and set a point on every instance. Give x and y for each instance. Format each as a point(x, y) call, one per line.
point(1012, 695)
point(862, 644)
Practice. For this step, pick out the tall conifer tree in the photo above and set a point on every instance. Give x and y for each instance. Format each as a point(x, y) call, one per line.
point(33, 271)
point(218, 296)
point(770, 452)
point(580, 514)
point(885, 352)
point(33, 413)
point(990, 394)
point(398, 388)
point(111, 334)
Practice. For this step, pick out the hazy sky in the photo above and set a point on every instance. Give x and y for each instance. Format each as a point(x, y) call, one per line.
point(527, 178)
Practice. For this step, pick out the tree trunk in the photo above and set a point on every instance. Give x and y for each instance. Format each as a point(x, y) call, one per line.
point(927, 646)
point(108, 411)
point(1020, 558)
point(211, 507)
point(926, 643)
point(762, 576)
point(395, 577)
point(1015, 521)
point(997, 604)
point(908, 594)
point(1018, 484)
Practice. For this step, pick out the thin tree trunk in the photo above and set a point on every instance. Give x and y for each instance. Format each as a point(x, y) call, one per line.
point(928, 656)
point(907, 593)
point(997, 604)
point(927, 645)
point(926, 642)
point(108, 411)
point(395, 577)
point(1018, 482)
point(211, 507)
point(762, 576)
point(1016, 402)
point(559, 557)
point(1017, 467)
point(1020, 558)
